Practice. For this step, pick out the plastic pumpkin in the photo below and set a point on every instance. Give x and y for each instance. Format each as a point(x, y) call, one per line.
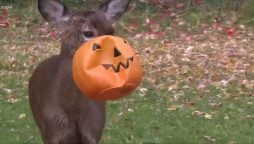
point(106, 68)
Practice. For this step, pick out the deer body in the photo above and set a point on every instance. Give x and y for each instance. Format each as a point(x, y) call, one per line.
point(62, 113)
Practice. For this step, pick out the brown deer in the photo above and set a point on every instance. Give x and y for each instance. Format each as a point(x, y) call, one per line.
point(63, 114)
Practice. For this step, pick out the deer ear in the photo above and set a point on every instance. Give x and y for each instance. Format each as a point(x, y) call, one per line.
point(53, 11)
point(114, 9)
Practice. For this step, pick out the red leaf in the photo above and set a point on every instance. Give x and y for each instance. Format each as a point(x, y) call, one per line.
point(199, 2)
point(53, 34)
point(4, 19)
point(180, 5)
point(231, 31)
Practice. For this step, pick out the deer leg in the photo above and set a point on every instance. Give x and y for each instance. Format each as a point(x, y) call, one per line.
point(58, 129)
point(92, 123)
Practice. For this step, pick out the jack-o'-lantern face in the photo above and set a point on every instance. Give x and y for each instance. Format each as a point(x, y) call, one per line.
point(106, 68)
point(113, 53)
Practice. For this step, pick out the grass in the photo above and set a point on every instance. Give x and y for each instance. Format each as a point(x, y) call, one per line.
point(145, 119)
point(149, 120)
point(17, 125)
point(178, 101)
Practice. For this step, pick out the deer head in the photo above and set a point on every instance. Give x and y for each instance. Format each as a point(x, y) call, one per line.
point(81, 26)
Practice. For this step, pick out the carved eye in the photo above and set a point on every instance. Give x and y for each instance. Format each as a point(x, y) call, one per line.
point(96, 47)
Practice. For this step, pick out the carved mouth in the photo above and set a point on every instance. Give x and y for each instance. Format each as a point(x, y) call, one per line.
point(117, 68)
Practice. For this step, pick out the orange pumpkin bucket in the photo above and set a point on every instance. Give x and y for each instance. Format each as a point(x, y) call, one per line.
point(106, 68)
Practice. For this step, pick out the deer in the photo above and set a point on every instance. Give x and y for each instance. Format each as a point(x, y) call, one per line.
point(63, 114)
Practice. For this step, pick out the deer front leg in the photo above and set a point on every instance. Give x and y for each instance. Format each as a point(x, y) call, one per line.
point(91, 123)
point(57, 128)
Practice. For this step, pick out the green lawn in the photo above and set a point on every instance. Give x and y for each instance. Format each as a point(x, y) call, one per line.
point(197, 88)
point(142, 119)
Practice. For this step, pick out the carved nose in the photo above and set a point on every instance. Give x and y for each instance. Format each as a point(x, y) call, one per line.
point(116, 52)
